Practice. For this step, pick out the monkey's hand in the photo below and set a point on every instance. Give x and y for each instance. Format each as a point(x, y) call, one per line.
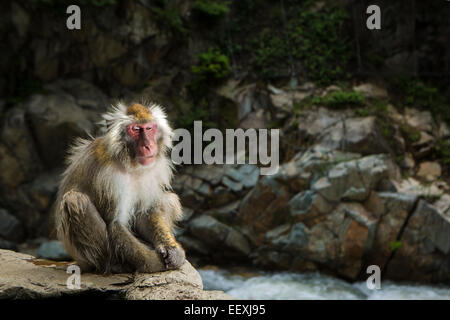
point(172, 256)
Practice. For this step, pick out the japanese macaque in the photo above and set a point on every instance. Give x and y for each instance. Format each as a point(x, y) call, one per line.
point(115, 210)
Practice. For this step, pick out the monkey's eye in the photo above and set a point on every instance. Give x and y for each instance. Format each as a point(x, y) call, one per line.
point(135, 128)
point(149, 128)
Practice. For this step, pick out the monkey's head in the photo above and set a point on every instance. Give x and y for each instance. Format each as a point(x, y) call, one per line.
point(138, 134)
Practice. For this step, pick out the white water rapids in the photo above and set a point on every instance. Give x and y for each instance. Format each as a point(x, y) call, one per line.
point(307, 286)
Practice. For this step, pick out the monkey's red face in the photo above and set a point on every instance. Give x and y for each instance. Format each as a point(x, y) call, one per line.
point(144, 138)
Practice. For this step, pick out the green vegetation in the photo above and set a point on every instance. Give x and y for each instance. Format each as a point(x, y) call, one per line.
point(211, 8)
point(212, 66)
point(96, 3)
point(168, 16)
point(313, 39)
point(411, 135)
point(411, 92)
point(395, 245)
point(267, 53)
point(318, 41)
point(188, 114)
point(99, 3)
point(340, 99)
point(442, 151)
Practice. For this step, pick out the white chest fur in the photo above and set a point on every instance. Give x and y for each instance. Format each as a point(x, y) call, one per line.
point(136, 193)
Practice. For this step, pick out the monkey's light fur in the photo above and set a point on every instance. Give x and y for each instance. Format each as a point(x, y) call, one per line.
point(108, 204)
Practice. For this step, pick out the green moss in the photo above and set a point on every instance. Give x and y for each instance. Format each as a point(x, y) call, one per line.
point(362, 112)
point(410, 134)
point(318, 41)
point(268, 53)
point(188, 113)
point(96, 3)
point(414, 93)
point(442, 151)
point(395, 245)
point(211, 8)
point(212, 65)
point(315, 40)
point(341, 99)
point(168, 16)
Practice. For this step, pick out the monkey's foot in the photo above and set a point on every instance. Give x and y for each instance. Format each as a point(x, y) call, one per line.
point(173, 257)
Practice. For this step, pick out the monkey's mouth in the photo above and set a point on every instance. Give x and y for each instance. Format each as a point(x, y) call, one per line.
point(145, 160)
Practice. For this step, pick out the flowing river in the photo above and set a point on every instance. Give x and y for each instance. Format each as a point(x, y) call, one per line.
point(306, 286)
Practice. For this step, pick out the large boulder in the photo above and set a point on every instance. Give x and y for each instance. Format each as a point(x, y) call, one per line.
point(423, 253)
point(56, 120)
point(86, 94)
point(212, 186)
point(230, 241)
point(392, 210)
point(343, 131)
point(19, 160)
point(10, 227)
point(25, 277)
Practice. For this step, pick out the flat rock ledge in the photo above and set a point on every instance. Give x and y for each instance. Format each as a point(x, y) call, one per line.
point(23, 276)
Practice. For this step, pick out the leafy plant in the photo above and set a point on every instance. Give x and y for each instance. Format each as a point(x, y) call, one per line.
point(411, 135)
point(318, 41)
point(442, 150)
point(212, 65)
point(169, 17)
point(395, 245)
point(211, 8)
point(96, 3)
point(309, 40)
point(269, 52)
point(414, 93)
point(341, 99)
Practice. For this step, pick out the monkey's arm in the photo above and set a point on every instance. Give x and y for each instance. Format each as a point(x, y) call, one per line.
point(156, 227)
point(127, 249)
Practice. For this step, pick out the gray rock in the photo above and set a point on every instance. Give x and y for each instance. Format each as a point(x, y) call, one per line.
point(193, 245)
point(352, 179)
point(263, 208)
point(424, 252)
point(246, 174)
point(10, 227)
point(53, 250)
point(308, 204)
point(56, 120)
point(211, 174)
point(233, 185)
point(371, 90)
point(443, 204)
point(296, 239)
point(25, 277)
point(19, 160)
point(342, 131)
point(218, 235)
point(420, 120)
point(429, 171)
point(8, 245)
point(86, 94)
point(362, 136)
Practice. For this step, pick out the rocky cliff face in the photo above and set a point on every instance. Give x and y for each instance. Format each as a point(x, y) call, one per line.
point(341, 203)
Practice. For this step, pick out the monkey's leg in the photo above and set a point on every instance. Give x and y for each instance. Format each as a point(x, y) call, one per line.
point(155, 228)
point(128, 250)
point(83, 231)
